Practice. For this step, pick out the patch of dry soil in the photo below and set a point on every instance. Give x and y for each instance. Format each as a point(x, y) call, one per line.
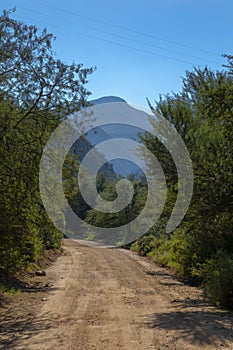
point(99, 299)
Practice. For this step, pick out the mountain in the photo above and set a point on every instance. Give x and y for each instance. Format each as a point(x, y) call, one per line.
point(106, 132)
point(107, 99)
point(109, 131)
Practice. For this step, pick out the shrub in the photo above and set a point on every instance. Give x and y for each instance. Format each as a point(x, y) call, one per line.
point(219, 280)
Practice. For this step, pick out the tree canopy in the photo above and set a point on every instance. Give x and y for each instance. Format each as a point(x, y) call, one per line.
point(200, 249)
point(37, 91)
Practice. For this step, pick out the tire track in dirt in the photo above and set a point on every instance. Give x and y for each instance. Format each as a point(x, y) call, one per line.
point(112, 299)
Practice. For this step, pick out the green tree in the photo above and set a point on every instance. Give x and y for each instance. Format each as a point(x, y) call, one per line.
point(37, 91)
point(202, 114)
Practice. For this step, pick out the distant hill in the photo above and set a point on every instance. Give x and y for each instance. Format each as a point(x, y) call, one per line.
point(107, 99)
point(107, 132)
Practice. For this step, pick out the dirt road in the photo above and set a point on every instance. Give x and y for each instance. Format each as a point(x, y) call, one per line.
point(112, 299)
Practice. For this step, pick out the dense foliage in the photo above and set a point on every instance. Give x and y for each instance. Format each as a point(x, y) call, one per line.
point(200, 249)
point(36, 92)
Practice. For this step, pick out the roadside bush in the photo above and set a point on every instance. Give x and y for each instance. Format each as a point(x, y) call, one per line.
point(144, 245)
point(147, 244)
point(219, 280)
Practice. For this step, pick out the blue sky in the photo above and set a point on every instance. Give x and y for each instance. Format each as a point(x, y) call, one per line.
point(140, 48)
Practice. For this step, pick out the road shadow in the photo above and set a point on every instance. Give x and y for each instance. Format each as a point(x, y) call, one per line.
point(195, 326)
point(23, 329)
point(17, 320)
